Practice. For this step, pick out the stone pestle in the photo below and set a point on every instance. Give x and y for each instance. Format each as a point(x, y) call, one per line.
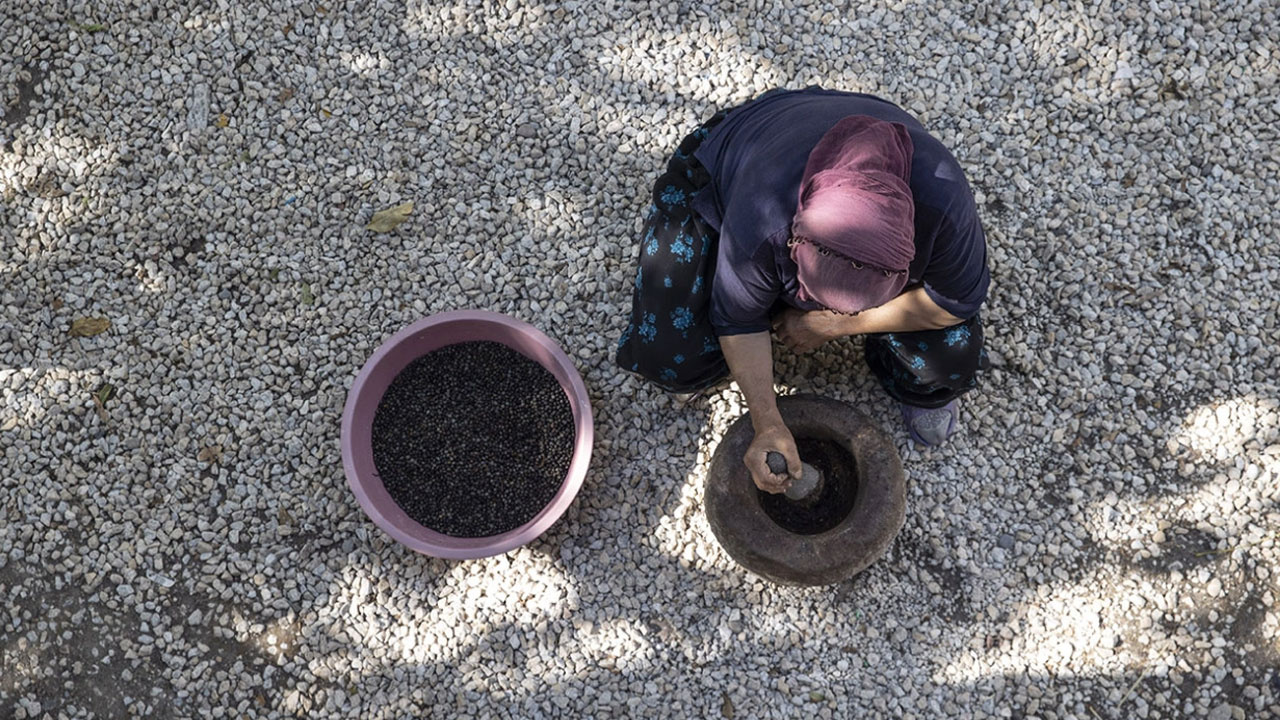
point(804, 490)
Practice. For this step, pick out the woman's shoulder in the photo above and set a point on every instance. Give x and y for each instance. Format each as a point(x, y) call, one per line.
point(937, 178)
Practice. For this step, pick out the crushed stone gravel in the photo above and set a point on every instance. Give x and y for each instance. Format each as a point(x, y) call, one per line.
point(1099, 540)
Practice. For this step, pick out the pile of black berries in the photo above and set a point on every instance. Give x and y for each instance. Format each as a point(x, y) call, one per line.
point(473, 439)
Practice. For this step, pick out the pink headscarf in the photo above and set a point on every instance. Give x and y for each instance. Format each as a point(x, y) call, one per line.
point(853, 235)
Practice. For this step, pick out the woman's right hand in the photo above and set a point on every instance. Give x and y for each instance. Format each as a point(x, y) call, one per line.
point(773, 437)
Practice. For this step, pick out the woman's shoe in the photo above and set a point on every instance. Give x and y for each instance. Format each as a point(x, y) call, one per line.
point(931, 426)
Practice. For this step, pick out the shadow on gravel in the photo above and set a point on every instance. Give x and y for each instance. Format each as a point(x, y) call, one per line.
point(15, 114)
point(1192, 549)
point(582, 536)
point(107, 663)
point(112, 660)
point(119, 650)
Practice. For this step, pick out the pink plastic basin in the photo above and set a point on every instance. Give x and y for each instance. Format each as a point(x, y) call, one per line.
point(393, 356)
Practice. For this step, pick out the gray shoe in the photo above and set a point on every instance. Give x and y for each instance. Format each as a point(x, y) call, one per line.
point(931, 426)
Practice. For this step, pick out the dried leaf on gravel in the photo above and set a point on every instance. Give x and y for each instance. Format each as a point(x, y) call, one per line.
point(211, 454)
point(222, 120)
point(726, 706)
point(89, 326)
point(47, 187)
point(105, 392)
point(308, 297)
point(387, 220)
point(286, 93)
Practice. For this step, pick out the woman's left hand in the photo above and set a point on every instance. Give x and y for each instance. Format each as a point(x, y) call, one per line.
point(804, 330)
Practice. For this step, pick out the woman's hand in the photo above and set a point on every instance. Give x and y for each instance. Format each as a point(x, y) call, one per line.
point(806, 330)
point(774, 437)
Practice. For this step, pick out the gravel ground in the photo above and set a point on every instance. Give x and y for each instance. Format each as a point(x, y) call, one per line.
point(1099, 542)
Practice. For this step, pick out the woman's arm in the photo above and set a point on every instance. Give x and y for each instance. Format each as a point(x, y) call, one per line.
point(910, 311)
point(750, 358)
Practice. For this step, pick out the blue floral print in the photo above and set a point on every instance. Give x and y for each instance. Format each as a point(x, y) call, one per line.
point(682, 248)
point(957, 335)
point(673, 195)
point(649, 328)
point(681, 318)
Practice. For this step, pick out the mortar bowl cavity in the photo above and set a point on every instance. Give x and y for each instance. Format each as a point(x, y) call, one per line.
point(812, 516)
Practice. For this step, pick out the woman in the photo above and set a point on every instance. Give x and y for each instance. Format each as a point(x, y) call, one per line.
point(815, 214)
